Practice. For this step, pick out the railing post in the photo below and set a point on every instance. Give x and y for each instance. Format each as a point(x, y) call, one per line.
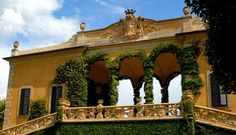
point(63, 105)
point(100, 109)
point(139, 109)
point(187, 110)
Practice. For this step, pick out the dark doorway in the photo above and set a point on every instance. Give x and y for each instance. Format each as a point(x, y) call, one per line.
point(56, 94)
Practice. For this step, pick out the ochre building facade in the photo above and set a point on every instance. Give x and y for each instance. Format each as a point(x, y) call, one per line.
point(32, 71)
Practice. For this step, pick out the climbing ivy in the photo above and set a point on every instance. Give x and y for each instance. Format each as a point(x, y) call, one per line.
point(113, 83)
point(149, 66)
point(140, 54)
point(164, 48)
point(189, 68)
point(75, 73)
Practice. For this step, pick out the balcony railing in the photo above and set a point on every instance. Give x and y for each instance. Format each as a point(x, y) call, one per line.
point(215, 117)
point(137, 112)
point(122, 113)
point(31, 126)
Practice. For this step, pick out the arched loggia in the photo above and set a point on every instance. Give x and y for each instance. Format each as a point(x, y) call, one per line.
point(98, 79)
point(165, 66)
point(131, 67)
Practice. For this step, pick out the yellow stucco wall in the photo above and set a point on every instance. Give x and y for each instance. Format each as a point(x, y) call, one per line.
point(38, 70)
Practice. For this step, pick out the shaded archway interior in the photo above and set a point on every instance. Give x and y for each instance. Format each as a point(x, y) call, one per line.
point(132, 68)
point(166, 67)
point(98, 72)
point(98, 79)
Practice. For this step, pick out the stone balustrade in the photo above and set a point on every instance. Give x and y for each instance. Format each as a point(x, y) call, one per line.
point(215, 117)
point(136, 112)
point(122, 113)
point(31, 126)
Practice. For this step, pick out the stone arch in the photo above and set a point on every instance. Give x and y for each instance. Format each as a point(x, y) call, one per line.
point(98, 74)
point(165, 64)
point(130, 66)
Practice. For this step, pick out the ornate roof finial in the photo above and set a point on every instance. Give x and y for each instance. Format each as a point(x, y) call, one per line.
point(186, 10)
point(82, 26)
point(130, 11)
point(16, 44)
point(15, 49)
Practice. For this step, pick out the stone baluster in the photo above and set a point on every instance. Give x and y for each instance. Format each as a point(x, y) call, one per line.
point(63, 105)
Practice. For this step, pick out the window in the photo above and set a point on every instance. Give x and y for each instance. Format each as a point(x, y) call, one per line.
point(218, 97)
point(24, 101)
point(56, 94)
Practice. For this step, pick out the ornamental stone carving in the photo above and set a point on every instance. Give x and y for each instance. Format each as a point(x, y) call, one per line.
point(131, 27)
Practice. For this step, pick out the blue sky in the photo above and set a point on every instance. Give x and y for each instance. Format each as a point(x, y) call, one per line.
point(40, 23)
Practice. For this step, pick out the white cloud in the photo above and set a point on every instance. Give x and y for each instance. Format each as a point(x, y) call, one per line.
point(113, 8)
point(4, 70)
point(33, 20)
point(11, 23)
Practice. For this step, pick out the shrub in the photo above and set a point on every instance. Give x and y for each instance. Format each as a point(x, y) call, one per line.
point(37, 109)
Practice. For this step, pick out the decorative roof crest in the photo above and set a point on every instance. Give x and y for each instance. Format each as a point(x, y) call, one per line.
point(131, 27)
point(130, 11)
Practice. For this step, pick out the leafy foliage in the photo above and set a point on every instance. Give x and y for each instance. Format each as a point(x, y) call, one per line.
point(37, 109)
point(113, 83)
point(112, 92)
point(141, 55)
point(203, 129)
point(2, 108)
point(119, 128)
point(170, 127)
point(220, 18)
point(187, 59)
point(60, 112)
point(190, 69)
point(73, 74)
point(149, 66)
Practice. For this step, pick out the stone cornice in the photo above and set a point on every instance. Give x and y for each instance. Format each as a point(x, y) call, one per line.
point(122, 33)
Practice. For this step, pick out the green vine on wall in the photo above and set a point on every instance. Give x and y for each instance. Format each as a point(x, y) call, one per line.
point(164, 48)
point(190, 69)
point(74, 73)
point(149, 66)
point(140, 54)
point(113, 82)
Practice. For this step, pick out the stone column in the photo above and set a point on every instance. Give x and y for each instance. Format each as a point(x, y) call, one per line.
point(8, 104)
point(165, 94)
point(187, 110)
point(148, 83)
point(137, 97)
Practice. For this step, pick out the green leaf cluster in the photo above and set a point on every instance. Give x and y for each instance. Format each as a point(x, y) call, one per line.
point(174, 127)
point(219, 17)
point(2, 108)
point(74, 73)
point(37, 109)
point(190, 69)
